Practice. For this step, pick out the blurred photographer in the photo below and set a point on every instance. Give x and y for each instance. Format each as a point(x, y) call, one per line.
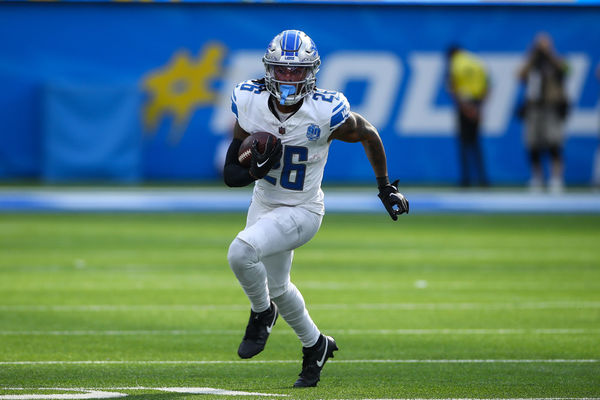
point(545, 111)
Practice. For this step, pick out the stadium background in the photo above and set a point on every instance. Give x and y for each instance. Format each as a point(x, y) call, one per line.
point(103, 291)
point(137, 92)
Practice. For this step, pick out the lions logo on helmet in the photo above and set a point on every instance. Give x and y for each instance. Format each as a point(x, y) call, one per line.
point(291, 65)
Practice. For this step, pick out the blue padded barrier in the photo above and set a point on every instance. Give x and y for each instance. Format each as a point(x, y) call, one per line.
point(91, 133)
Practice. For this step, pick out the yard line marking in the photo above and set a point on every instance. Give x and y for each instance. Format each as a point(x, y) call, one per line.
point(89, 394)
point(123, 307)
point(205, 390)
point(212, 362)
point(474, 361)
point(100, 393)
point(122, 332)
point(469, 331)
point(361, 306)
point(443, 331)
point(463, 306)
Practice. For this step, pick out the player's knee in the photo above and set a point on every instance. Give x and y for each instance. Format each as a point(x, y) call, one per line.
point(241, 255)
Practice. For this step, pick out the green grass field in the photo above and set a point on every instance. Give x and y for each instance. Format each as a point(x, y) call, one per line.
point(433, 306)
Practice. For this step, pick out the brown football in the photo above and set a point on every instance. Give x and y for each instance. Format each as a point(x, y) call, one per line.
point(245, 152)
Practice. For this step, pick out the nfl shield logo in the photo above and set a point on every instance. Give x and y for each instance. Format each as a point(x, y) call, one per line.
point(313, 132)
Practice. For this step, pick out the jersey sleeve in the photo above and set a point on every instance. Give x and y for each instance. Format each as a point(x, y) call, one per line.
point(243, 102)
point(234, 106)
point(240, 96)
point(340, 111)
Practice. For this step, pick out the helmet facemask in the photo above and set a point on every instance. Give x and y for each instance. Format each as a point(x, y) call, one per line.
point(289, 83)
point(291, 64)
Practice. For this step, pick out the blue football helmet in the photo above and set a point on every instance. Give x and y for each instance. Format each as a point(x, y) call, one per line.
point(291, 65)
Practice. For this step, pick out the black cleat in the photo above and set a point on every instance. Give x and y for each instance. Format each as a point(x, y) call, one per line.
point(257, 332)
point(313, 360)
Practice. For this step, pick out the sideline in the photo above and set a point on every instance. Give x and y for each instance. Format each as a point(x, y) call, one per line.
point(336, 200)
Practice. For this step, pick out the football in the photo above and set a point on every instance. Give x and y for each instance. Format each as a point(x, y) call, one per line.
point(245, 152)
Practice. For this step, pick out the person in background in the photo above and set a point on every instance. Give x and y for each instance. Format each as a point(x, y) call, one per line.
point(545, 111)
point(467, 82)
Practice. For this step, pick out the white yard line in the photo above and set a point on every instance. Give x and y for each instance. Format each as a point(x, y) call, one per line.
point(360, 306)
point(191, 332)
point(101, 393)
point(88, 394)
point(123, 332)
point(213, 362)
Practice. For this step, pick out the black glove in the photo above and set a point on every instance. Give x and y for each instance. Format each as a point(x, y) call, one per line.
point(261, 163)
point(393, 201)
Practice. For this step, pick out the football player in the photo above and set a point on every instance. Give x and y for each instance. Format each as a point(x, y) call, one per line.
point(287, 202)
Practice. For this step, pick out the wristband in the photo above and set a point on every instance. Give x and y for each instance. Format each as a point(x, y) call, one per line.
point(383, 181)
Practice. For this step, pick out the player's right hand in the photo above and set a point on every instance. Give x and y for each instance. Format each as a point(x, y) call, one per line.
point(261, 163)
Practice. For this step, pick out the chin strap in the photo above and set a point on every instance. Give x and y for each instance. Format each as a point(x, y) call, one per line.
point(286, 90)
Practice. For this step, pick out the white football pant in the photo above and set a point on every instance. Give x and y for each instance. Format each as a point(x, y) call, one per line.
point(261, 257)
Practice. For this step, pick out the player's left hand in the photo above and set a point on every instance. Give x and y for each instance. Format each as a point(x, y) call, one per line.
point(394, 202)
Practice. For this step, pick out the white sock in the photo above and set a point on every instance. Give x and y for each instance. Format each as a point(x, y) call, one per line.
point(293, 310)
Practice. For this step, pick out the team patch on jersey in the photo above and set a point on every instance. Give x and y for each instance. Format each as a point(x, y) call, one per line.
point(313, 132)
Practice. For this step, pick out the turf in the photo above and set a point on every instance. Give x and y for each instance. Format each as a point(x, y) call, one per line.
point(433, 306)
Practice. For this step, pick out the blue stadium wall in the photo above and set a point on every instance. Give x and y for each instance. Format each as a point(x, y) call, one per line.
point(139, 92)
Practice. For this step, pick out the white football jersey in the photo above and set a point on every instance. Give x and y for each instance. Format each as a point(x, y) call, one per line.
point(296, 179)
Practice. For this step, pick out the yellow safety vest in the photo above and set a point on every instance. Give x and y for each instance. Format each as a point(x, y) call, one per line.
point(468, 76)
